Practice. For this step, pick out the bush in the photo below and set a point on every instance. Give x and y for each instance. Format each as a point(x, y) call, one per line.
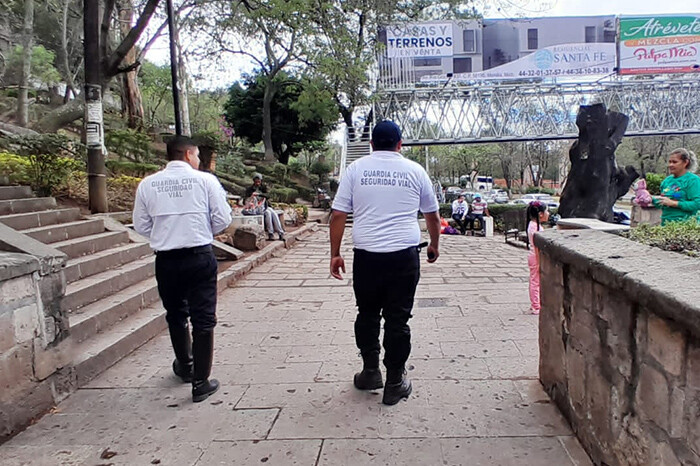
point(132, 169)
point(300, 211)
point(129, 144)
point(47, 161)
point(537, 189)
point(674, 236)
point(321, 168)
point(287, 195)
point(654, 183)
point(15, 168)
point(295, 166)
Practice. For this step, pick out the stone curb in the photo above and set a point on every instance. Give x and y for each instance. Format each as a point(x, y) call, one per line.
point(241, 267)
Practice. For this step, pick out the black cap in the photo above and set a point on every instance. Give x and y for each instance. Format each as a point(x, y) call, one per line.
point(386, 135)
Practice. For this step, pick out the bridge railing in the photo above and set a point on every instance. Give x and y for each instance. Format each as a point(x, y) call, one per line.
point(508, 112)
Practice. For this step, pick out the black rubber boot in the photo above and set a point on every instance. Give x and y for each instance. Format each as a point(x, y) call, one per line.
point(397, 386)
point(203, 352)
point(371, 377)
point(182, 346)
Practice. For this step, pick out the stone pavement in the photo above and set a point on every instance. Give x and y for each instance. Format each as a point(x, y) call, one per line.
point(285, 355)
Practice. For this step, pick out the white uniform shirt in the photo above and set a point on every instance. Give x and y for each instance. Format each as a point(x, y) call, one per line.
point(459, 208)
point(384, 191)
point(180, 207)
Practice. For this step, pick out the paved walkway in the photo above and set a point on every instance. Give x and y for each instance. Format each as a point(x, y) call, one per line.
point(285, 356)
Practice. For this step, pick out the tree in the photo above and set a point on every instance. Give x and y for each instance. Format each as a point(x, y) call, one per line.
point(112, 63)
point(132, 104)
point(27, 39)
point(156, 87)
point(241, 27)
point(301, 113)
point(343, 47)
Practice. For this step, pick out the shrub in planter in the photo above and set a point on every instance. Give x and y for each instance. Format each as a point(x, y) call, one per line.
point(287, 195)
point(674, 236)
point(654, 183)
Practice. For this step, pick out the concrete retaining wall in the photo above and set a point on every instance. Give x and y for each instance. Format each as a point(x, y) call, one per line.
point(620, 346)
point(30, 327)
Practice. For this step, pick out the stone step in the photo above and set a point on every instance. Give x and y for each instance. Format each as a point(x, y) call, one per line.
point(99, 316)
point(104, 349)
point(15, 192)
point(20, 206)
point(93, 264)
point(91, 289)
point(91, 244)
point(65, 231)
point(40, 219)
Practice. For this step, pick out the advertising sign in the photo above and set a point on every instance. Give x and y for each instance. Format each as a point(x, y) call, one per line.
point(659, 44)
point(419, 40)
point(556, 61)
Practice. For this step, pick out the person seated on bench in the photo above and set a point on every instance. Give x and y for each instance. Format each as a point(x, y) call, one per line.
point(272, 220)
point(478, 209)
point(459, 213)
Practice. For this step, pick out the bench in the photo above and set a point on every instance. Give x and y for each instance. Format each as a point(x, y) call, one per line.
point(514, 224)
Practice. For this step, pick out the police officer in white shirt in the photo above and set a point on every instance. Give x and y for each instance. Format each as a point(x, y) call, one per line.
point(180, 209)
point(384, 191)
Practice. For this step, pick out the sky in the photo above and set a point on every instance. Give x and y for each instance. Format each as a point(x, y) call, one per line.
point(229, 69)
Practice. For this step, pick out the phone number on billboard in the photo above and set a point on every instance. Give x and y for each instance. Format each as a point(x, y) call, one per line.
point(578, 71)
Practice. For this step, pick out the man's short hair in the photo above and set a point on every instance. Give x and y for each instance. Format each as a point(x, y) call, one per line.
point(178, 146)
point(386, 135)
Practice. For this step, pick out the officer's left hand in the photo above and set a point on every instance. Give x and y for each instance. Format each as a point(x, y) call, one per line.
point(337, 264)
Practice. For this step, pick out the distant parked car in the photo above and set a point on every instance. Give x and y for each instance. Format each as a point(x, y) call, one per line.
point(500, 196)
point(545, 198)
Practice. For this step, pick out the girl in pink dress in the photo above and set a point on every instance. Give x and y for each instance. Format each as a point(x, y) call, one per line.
point(537, 214)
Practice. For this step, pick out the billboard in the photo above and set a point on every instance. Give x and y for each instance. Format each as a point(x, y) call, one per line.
point(556, 61)
point(659, 44)
point(419, 40)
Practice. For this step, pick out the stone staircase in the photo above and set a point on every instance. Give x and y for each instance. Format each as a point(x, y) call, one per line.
point(110, 282)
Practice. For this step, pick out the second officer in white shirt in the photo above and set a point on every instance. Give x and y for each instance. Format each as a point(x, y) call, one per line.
point(180, 209)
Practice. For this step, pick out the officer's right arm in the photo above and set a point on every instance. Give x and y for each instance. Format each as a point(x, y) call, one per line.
point(143, 222)
point(219, 208)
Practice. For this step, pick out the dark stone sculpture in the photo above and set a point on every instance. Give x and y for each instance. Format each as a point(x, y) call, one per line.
point(595, 182)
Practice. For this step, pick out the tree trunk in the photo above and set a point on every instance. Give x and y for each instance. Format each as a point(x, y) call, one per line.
point(595, 182)
point(132, 103)
point(62, 116)
point(23, 95)
point(267, 119)
point(182, 86)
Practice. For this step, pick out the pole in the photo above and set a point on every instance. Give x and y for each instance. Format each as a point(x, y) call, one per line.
point(174, 66)
point(94, 130)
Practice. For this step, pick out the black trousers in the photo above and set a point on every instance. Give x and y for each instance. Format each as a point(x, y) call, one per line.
point(461, 223)
point(473, 218)
point(385, 285)
point(187, 286)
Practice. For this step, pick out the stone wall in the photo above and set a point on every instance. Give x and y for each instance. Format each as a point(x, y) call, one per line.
point(649, 215)
point(620, 346)
point(31, 326)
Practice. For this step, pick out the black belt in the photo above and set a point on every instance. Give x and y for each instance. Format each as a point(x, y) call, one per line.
point(184, 251)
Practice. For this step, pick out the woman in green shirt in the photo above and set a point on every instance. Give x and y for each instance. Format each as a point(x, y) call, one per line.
point(680, 192)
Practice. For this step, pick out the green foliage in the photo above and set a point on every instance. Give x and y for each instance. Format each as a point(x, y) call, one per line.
point(129, 144)
point(210, 139)
point(132, 169)
point(538, 189)
point(51, 157)
point(42, 68)
point(287, 195)
point(299, 117)
point(295, 166)
point(674, 236)
point(15, 167)
point(322, 169)
point(654, 183)
point(156, 84)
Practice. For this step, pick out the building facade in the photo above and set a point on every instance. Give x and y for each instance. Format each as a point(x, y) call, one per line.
point(446, 48)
